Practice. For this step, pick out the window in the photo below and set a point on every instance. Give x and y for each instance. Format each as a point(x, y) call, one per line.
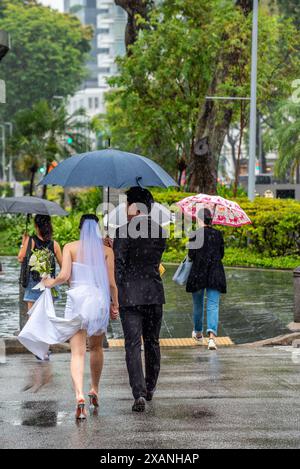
point(96, 103)
point(104, 70)
point(91, 103)
point(104, 50)
point(103, 30)
point(103, 11)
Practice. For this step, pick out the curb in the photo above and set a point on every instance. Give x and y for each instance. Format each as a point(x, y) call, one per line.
point(14, 347)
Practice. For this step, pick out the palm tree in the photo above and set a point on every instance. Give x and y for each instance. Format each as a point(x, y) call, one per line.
point(47, 133)
point(284, 137)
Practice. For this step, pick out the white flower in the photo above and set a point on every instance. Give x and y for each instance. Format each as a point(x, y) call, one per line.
point(33, 260)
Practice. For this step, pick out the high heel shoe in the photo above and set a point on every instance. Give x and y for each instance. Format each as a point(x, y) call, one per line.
point(94, 403)
point(80, 410)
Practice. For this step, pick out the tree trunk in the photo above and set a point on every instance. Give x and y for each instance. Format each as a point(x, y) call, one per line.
point(46, 187)
point(134, 8)
point(213, 122)
point(33, 171)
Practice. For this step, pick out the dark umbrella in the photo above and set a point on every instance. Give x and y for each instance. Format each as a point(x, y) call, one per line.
point(108, 168)
point(29, 205)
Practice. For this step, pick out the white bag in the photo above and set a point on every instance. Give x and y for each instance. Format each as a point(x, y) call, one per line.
point(182, 273)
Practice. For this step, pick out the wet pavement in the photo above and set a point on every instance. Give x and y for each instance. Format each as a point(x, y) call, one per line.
point(233, 398)
point(258, 306)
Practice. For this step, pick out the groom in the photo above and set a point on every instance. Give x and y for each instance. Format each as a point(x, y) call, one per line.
point(138, 249)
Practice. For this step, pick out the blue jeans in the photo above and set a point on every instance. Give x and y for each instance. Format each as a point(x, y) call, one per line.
point(213, 302)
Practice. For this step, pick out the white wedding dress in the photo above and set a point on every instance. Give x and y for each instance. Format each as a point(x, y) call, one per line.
point(88, 300)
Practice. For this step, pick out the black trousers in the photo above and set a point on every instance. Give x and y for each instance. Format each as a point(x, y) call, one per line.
point(142, 321)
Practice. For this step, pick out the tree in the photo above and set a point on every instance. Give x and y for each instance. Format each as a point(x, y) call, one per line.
point(283, 137)
point(291, 9)
point(47, 57)
point(45, 134)
point(137, 18)
point(158, 104)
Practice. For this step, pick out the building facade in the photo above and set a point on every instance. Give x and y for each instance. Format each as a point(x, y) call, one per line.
point(109, 22)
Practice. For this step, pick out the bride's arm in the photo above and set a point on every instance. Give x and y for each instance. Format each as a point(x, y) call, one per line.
point(66, 270)
point(110, 261)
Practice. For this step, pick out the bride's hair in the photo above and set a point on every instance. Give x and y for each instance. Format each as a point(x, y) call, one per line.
point(88, 216)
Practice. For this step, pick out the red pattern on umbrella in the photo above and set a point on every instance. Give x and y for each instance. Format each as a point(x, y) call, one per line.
point(225, 212)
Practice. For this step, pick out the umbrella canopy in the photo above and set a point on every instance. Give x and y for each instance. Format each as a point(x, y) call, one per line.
point(108, 168)
point(225, 212)
point(29, 205)
point(118, 216)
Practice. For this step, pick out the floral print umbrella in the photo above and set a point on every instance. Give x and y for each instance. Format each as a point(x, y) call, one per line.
point(225, 212)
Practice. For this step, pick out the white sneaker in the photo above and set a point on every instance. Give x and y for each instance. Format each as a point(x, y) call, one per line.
point(212, 345)
point(197, 338)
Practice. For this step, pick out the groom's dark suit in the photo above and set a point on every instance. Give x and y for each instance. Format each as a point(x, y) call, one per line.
point(141, 296)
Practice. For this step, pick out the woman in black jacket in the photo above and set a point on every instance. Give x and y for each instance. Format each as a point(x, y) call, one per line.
point(207, 273)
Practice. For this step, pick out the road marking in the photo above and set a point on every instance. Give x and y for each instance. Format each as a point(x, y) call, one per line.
point(220, 341)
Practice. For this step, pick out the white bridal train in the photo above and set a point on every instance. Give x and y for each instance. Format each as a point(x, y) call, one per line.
point(88, 300)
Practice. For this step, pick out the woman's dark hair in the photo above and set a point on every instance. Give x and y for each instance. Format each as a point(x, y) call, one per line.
point(139, 195)
point(205, 215)
point(88, 216)
point(43, 223)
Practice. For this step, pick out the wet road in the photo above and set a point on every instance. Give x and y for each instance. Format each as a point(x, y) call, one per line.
point(259, 305)
point(235, 398)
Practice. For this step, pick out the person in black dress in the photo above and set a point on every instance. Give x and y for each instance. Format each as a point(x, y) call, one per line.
point(207, 274)
point(42, 240)
point(138, 248)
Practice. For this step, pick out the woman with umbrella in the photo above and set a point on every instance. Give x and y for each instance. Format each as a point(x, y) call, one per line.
point(43, 239)
point(206, 253)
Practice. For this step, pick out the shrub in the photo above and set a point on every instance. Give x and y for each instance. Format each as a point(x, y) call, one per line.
point(6, 190)
point(86, 200)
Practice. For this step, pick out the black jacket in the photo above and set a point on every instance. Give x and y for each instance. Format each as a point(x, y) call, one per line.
point(137, 260)
point(207, 269)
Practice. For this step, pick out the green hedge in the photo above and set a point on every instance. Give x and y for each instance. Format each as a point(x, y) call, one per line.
point(273, 240)
point(275, 229)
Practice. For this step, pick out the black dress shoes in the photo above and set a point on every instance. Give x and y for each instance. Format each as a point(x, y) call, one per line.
point(139, 405)
point(149, 396)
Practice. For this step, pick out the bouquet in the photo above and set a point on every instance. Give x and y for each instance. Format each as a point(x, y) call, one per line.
point(40, 262)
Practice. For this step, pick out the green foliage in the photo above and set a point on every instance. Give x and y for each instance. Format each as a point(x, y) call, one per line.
point(5, 190)
point(48, 54)
point(86, 201)
point(283, 137)
point(156, 99)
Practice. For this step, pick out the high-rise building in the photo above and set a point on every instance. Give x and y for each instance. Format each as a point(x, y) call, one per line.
point(109, 22)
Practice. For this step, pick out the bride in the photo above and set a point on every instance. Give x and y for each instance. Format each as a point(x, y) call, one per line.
point(93, 296)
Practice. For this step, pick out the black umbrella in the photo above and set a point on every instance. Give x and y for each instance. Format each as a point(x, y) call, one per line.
point(108, 168)
point(29, 205)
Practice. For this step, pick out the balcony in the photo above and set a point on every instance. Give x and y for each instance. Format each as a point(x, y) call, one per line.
point(4, 44)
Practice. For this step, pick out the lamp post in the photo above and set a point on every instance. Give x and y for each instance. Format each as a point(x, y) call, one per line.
point(10, 169)
point(253, 105)
point(3, 163)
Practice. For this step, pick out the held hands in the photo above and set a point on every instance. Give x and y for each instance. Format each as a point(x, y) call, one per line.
point(108, 242)
point(114, 312)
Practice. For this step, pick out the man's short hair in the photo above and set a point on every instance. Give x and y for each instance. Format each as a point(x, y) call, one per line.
point(139, 195)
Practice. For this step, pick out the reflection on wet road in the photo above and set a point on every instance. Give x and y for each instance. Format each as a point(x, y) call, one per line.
point(233, 398)
point(259, 305)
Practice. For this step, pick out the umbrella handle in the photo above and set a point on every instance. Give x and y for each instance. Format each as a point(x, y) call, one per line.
point(27, 223)
point(138, 181)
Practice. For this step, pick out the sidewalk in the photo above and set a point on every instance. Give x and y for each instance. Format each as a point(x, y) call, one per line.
point(234, 398)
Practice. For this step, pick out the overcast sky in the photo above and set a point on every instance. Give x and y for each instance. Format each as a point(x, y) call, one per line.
point(57, 4)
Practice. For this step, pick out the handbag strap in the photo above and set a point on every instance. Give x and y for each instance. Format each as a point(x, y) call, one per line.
point(29, 247)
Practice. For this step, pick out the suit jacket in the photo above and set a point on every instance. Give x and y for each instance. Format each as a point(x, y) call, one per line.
point(137, 259)
point(207, 269)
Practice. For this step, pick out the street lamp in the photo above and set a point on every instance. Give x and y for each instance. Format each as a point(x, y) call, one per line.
point(253, 105)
